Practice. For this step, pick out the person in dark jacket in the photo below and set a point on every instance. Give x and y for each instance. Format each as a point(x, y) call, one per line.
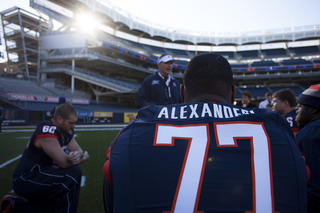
point(308, 140)
point(160, 88)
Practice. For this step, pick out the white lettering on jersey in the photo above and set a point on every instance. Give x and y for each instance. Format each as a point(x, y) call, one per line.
point(190, 111)
point(49, 129)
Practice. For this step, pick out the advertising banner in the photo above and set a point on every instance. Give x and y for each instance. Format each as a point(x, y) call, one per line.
point(129, 116)
point(51, 99)
point(103, 114)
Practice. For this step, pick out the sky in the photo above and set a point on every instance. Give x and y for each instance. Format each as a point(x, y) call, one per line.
point(215, 15)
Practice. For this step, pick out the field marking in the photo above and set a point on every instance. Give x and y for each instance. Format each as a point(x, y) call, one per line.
point(10, 161)
point(83, 181)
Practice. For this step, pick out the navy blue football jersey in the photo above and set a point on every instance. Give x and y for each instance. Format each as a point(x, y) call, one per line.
point(291, 118)
point(206, 157)
point(35, 155)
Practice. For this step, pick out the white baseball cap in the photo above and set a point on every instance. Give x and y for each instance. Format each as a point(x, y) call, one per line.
point(165, 58)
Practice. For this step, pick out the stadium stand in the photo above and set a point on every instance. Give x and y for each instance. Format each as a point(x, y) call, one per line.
point(295, 62)
point(249, 54)
point(273, 53)
point(227, 55)
point(296, 89)
point(179, 53)
point(264, 64)
point(256, 92)
point(109, 68)
point(158, 50)
point(22, 87)
point(305, 51)
point(239, 66)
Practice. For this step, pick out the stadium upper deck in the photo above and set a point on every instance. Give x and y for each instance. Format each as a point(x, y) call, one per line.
point(117, 18)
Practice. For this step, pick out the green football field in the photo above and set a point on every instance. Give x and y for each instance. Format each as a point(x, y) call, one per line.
point(94, 140)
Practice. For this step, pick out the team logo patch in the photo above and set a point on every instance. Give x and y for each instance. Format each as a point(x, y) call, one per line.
point(155, 82)
point(174, 84)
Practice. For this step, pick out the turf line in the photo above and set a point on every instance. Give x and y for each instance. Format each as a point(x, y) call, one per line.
point(10, 161)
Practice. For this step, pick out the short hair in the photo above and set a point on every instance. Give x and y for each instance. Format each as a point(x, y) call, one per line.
point(208, 73)
point(247, 93)
point(267, 94)
point(64, 110)
point(286, 95)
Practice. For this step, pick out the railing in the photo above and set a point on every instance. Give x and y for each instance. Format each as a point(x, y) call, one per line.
point(96, 77)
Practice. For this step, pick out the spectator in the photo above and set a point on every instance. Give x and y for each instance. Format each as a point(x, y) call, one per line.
point(48, 175)
point(308, 139)
point(206, 155)
point(62, 100)
point(268, 96)
point(246, 100)
point(160, 88)
point(284, 103)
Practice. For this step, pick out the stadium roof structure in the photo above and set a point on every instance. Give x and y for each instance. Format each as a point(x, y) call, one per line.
point(121, 20)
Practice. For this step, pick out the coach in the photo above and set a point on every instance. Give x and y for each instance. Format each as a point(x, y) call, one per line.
point(160, 88)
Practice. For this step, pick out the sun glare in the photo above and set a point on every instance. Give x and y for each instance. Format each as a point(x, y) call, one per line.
point(86, 23)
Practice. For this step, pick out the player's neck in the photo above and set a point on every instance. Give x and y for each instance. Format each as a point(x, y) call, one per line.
point(207, 98)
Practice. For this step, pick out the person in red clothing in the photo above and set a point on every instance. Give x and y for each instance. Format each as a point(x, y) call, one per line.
point(284, 103)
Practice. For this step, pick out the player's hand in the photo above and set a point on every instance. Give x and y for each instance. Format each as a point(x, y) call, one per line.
point(74, 157)
point(85, 156)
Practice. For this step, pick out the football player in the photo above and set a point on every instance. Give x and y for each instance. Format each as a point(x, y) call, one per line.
point(205, 155)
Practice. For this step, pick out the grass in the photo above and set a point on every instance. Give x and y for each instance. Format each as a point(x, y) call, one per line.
point(96, 142)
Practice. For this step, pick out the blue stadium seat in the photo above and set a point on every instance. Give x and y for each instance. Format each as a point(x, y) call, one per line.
point(264, 64)
point(302, 51)
point(297, 90)
point(295, 62)
point(249, 54)
point(275, 53)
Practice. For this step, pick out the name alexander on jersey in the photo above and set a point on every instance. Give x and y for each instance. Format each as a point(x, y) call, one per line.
point(201, 111)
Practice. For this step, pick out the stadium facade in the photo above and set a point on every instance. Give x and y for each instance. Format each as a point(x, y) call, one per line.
point(107, 63)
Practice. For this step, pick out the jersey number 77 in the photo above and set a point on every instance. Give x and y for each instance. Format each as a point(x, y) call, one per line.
point(188, 190)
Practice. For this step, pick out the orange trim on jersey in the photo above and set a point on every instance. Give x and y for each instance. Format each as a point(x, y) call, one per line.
point(106, 167)
point(44, 136)
point(295, 129)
